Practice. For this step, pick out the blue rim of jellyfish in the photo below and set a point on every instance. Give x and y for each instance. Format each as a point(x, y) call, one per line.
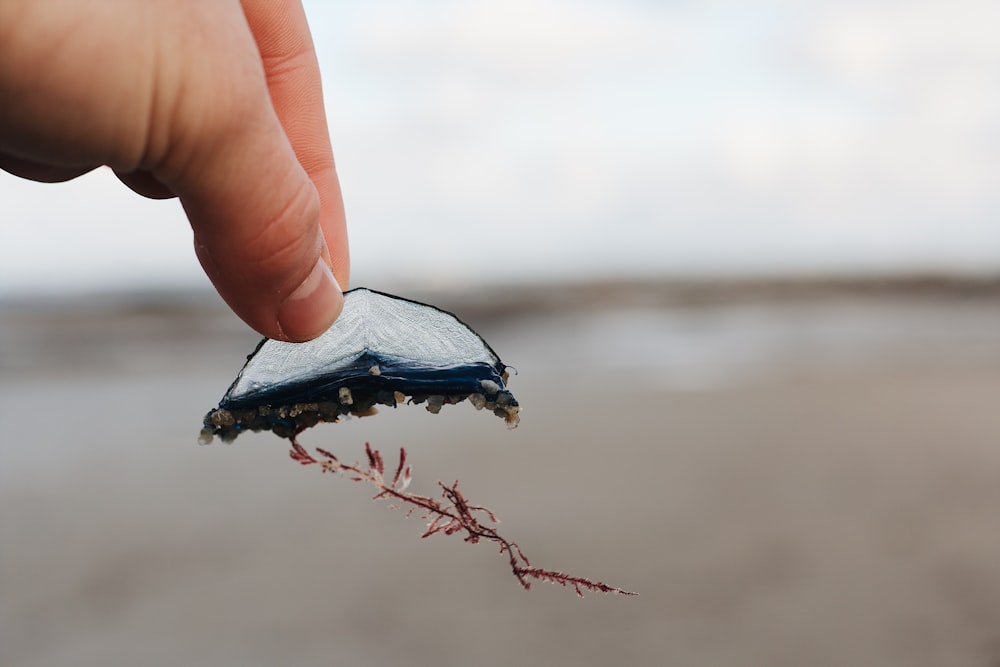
point(394, 375)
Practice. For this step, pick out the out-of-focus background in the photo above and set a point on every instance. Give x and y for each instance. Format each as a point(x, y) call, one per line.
point(745, 259)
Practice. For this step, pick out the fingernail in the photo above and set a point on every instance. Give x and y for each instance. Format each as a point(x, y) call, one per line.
point(312, 307)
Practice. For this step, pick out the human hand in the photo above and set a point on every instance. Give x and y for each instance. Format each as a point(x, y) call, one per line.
point(217, 103)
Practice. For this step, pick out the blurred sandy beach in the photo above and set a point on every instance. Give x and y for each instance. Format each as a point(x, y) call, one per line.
point(788, 473)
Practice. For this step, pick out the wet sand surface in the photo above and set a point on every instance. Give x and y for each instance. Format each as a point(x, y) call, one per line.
point(804, 481)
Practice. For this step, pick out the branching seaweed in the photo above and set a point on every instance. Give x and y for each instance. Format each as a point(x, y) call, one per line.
point(450, 515)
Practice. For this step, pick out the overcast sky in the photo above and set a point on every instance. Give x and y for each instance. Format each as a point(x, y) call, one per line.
point(531, 139)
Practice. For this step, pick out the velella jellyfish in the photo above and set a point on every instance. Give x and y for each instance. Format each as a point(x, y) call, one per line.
point(382, 350)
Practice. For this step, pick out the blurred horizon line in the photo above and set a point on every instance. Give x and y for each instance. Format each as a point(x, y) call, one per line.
point(564, 293)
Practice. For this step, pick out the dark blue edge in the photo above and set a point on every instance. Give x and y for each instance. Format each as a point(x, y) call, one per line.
point(289, 409)
point(405, 377)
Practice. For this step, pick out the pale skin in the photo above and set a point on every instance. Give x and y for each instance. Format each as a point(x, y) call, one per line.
point(217, 103)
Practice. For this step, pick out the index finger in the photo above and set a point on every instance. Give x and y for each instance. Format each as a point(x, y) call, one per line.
point(286, 49)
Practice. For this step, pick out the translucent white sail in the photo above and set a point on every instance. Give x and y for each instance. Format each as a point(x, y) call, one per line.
point(382, 349)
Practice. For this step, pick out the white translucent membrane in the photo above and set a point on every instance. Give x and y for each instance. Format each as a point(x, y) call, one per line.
point(371, 323)
point(382, 350)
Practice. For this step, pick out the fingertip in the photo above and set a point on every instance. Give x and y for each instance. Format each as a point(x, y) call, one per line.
point(312, 307)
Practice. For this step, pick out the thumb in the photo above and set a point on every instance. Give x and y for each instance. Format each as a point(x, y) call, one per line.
point(256, 220)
